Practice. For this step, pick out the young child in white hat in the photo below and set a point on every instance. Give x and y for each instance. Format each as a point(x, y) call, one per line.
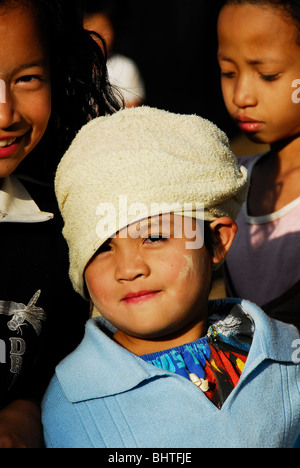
point(149, 200)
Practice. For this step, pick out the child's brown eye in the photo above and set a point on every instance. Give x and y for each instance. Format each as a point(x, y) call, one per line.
point(227, 75)
point(28, 78)
point(155, 238)
point(104, 248)
point(270, 77)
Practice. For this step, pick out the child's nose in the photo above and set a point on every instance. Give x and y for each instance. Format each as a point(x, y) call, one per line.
point(244, 93)
point(9, 114)
point(2, 92)
point(130, 266)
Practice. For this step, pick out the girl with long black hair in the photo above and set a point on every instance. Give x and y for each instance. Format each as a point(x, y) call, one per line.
point(53, 80)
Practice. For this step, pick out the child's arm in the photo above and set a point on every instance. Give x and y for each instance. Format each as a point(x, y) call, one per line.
point(20, 425)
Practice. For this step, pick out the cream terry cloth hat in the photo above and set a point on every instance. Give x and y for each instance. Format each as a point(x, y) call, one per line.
point(142, 156)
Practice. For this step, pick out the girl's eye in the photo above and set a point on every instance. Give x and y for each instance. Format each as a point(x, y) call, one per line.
point(227, 74)
point(155, 238)
point(104, 248)
point(270, 77)
point(29, 79)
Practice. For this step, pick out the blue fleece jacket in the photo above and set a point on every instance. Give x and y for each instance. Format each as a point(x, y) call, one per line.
point(104, 396)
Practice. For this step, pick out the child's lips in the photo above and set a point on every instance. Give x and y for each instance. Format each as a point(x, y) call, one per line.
point(250, 127)
point(248, 124)
point(8, 146)
point(140, 296)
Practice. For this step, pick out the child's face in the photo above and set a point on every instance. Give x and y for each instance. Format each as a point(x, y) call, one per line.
point(149, 288)
point(259, 59)
point(25, 92)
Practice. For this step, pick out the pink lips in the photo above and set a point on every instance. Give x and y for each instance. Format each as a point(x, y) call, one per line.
point(141, 296)
point(8, 151)
point(248, 125)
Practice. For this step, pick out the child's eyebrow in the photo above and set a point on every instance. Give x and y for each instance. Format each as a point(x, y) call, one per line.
point(258, 61)
point(25, 66)
point(148, 223)
point(153, 222)
point(225, 59)
point(262, 61)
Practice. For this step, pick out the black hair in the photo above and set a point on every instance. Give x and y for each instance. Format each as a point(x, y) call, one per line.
point(113, 10)
point(79, 80)
point(211, 241)
point(290, 7)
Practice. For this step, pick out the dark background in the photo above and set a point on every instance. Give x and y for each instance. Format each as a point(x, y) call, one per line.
point(174, 44)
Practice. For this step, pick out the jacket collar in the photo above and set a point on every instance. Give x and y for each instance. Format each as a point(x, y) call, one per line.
point(17, 206)
point(272, 339)
point(100, 367)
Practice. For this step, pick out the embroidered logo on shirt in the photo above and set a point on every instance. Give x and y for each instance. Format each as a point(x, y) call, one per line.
point(20, 327)
point(21, 313)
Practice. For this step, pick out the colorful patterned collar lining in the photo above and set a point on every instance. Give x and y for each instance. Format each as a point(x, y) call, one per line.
point(215, 362)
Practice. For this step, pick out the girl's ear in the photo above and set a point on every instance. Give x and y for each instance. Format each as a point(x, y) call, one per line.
point(224, 230)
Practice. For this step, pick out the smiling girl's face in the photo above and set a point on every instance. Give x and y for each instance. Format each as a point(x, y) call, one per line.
point(259, 57)
point(25, 96)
